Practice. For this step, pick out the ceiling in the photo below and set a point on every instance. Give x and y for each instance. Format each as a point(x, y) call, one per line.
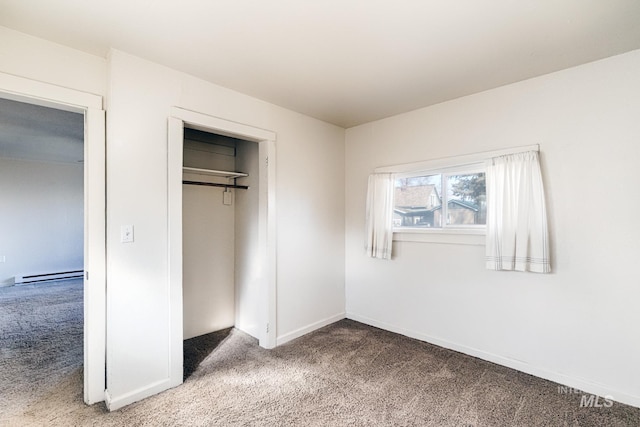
point(343, 61)
point(32, 132)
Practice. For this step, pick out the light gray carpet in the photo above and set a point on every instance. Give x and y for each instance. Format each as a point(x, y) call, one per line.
point(41, 329)
point(344, 374)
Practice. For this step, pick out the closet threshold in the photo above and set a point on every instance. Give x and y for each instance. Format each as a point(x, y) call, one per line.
point(215, 184)
point(213, 172)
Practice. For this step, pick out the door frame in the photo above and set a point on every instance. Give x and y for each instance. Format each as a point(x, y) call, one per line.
point(266, 222)
point(90, 105)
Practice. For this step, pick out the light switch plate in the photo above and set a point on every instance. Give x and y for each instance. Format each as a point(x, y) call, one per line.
point(126, 234)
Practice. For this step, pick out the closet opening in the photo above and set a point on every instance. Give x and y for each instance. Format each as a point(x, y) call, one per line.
point(220, 288)
point(222, 272)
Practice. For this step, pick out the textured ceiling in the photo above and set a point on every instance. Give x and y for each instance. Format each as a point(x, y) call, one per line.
point(343, 61)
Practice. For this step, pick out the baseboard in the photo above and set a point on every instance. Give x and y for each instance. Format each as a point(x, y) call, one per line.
point(114, 404)
point(309, 328)
point(567, 380)
point(35, 278)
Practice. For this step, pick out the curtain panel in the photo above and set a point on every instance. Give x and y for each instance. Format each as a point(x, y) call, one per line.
point(517, 234)
point(379, 217)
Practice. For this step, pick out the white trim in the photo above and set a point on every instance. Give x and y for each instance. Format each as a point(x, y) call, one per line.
point(95, 293)
point(473, 237)
point(310, 328)
point(576, 383)
point(453, 161)
point(267, 211)
point(200, 121)
point(45, 94)
point(136, 395)
point(267, 240)
point(48, 95)
point(453, 169)
point(175, 136)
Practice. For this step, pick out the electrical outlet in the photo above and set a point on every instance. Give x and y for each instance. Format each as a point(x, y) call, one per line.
point(3, 258)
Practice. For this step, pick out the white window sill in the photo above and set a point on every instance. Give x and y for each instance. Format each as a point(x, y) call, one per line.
point(470, 236)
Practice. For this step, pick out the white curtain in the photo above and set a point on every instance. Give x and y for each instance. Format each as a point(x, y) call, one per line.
point(517, 235)
point(380, 215)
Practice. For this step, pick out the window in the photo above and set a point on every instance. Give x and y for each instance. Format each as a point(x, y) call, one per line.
point(452, 199)
point(454, 210)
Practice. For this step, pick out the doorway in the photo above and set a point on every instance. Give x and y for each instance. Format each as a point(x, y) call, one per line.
point(90, 106)
point(264, 266)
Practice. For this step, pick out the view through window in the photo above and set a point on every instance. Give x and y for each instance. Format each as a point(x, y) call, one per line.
point(441, 200)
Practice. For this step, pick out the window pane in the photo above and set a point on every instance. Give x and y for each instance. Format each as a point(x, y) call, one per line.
point(418, 202)
point(467, 199)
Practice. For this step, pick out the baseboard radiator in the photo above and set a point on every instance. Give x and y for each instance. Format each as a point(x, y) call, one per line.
point(47, 277)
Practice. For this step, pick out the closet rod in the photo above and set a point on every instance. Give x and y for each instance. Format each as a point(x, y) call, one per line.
point(215, 184)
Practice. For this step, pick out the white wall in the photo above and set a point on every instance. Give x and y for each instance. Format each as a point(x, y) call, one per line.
point(41, 220)
point(208, 246)
point(208, 261)
point(38, 59)
point(310, 205)
point(577, 326)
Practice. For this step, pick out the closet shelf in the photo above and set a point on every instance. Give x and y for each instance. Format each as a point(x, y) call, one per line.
point(212, 172)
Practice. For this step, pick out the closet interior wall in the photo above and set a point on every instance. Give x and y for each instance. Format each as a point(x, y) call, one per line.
point(248, 279)
point(219, 240)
